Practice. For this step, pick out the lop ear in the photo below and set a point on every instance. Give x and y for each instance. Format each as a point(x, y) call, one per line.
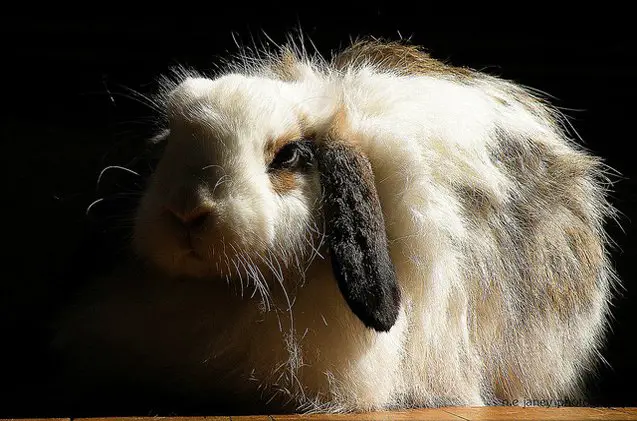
point(356, 235)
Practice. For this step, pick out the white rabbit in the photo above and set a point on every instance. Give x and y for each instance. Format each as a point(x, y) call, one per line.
point(378, 230)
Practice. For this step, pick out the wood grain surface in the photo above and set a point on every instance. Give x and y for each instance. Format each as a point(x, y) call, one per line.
point(442, 414)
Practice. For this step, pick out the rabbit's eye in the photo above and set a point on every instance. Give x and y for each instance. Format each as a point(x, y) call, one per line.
point(294, 155)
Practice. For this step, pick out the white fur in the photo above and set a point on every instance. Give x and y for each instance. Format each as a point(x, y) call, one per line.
point(296, 338)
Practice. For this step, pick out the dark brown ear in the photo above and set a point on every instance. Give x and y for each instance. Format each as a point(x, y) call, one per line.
point(356, 235)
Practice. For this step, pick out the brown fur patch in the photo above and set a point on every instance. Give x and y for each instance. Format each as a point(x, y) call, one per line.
point(339, 125)
point(585, 246)
point(275, 144)
point(339, 130)
point(285, 68)
point(397, 57)
point(477, 204)
point(550, 230)
point(283, 181)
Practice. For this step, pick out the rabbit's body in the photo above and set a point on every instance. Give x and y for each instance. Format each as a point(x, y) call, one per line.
point(493, 221)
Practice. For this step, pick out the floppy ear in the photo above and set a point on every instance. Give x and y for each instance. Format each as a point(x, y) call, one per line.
point(356, 235)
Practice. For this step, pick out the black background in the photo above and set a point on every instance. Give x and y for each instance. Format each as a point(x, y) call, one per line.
point(67, 113)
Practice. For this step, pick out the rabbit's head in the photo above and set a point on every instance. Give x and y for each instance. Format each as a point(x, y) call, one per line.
point(255, 174)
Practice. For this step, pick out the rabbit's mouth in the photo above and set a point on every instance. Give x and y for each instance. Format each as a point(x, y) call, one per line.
point(192, 254)
point(190, 250)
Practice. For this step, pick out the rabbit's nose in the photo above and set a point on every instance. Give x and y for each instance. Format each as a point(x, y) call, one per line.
point(193, 218)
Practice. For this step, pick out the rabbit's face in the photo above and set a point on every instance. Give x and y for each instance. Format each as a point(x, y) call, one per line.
point(237, 186)
point(255, 174)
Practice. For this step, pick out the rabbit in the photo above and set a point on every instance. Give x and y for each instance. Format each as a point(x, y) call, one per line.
point(375, 230)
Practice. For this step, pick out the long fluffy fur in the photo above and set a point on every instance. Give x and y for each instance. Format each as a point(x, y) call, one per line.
point(494, 218)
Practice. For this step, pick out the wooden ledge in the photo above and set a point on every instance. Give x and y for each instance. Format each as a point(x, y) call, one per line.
point(499, 413)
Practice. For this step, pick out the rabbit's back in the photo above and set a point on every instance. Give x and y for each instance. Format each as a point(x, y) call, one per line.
point(495, 220)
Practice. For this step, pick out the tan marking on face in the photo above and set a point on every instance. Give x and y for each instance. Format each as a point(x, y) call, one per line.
point(307, 130)
point(340, 130)
point(340, 124)
point(283, 181)
point(275, 144)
